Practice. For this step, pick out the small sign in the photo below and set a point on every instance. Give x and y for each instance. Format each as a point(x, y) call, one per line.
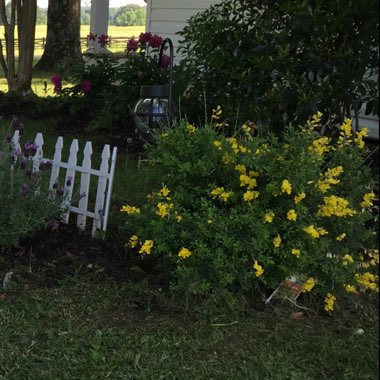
point(290, 288)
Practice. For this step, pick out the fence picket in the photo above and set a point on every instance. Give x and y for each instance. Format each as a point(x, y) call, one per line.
point(109, 191)
point(101, 190)
point(70, 177)
point(56, 160)
point(37, 158)
point(84, 186)
point(16, 140)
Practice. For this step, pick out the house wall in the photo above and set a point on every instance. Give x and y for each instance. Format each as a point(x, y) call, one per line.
point(166, 17)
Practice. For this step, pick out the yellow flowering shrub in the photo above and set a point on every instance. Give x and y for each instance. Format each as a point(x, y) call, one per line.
point(239, 212)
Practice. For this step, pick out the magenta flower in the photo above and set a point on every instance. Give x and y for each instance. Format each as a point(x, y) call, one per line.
point(155, 41)
point(91, 37)
point(103, 40)
point(132, 44)
point(145, 37)
point(57, 82)
point(86, 86)
point(165, 61)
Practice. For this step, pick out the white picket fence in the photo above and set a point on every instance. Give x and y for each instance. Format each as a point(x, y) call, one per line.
point(105, 176)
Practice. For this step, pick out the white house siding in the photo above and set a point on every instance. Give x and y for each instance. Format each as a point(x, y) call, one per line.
point(166, 17)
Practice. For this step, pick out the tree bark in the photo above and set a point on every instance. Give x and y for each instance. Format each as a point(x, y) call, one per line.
point(63, 36)
point(24, 12)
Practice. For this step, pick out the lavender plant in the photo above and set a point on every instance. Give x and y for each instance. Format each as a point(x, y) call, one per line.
point(26, 204)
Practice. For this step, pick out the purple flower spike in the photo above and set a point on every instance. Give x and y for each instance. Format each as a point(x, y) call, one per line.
point(55, 185)
point(25, 189)
point(69, 181)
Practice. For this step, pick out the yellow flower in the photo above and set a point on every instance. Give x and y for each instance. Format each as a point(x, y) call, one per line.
point(296, 252)
point(298, 198)
point(309, 284)
point(227, 159)
point(164, 192)
point(320, 146)
point(315, 120)
point(315, 233)
point(329, 302)
point(286, 187)
point(218, 145)
point(359, 137)
point(258, 268)
point(268, 217)
point(184, 253)
point(133, 241)
point(191, 128)
point(217, 191)
point(350, 288)
point(225, 195)
point(241, 168)
point(367, 280)
point(335, 206)
point(146, 247)
point(253, 173)
point(277, 241)
point(367, 199)
point(341, 236)
point(209, 221)
point(216, 113)
point(163, 209)
point(291, 215)
point(178, 217)
point(347, 259)
point(130, 210)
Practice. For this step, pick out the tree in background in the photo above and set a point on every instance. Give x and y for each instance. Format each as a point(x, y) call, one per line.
point(63, 36)
point(23, 14)
point(129, 15)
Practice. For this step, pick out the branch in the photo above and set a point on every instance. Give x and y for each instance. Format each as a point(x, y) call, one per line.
point(2, 60)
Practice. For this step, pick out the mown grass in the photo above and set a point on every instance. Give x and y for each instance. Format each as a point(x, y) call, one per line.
point(91, 327)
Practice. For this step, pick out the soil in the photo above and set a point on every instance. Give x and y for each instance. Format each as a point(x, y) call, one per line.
point(51, 256)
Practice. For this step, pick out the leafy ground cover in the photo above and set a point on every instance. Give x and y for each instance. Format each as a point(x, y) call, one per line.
point(81, 309)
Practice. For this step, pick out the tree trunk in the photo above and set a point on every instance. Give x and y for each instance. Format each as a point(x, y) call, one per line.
point(63, 36)
point(24, 11)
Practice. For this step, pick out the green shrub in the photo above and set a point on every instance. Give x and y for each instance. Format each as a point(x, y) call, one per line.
point(241, 212)
point(279, 62)
point(26, 204)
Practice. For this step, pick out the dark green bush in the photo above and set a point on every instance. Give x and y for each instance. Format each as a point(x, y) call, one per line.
point(278, 61)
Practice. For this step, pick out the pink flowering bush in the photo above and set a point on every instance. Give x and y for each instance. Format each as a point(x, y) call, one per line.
point(239, 213)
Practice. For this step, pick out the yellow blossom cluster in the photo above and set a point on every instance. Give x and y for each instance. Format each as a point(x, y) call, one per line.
point(367, 280)
point(296, 252)
point(286, 187)
point(299, 197)
point(146, 248)
point(219, 192)
point(314, 120)
point(329, 302)
point(315, 232)
point(350, 288)
point(358, 140)
point(133, 241)
point(216, 113)
point(335, 206)
point(329, 178)
point(345, 135)
point(218, 144)
point(367, 199)
point(184, 253)
point(163, 209)
point(268, 217)
point(191, 128)
point(309, 284)
point(277, 241)
point(258, 269)
point(347, 259)
point(292, 215)
point(320, 146)
point(164, 192)
point(130, 210)
point(341, 236)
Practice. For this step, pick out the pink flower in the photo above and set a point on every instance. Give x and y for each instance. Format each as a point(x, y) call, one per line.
point(155, 41)
point(132, 44)
point(103, 40)
point(57, 81)
point(165, 61)
point(145, 37)
point(91, 37)
point(86, 86)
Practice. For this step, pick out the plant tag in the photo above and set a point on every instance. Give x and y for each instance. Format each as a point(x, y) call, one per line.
point(290, 288)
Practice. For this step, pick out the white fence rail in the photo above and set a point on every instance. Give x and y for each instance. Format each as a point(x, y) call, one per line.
point(85, 173)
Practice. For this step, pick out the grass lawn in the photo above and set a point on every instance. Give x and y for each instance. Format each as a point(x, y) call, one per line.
point(91, 327)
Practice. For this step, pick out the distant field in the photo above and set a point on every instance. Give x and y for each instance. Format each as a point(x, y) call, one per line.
point(113, 31)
